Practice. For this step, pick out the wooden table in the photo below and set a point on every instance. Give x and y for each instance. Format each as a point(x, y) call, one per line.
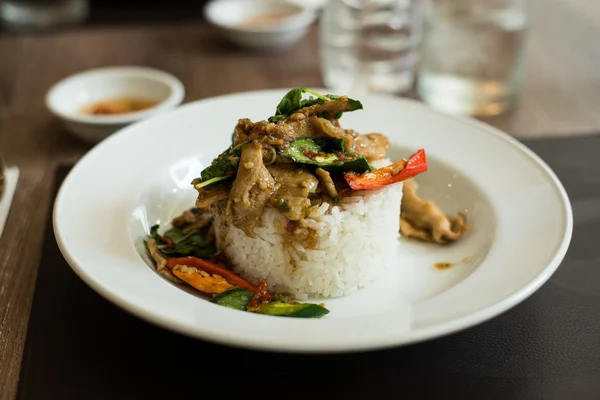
point(561, 96)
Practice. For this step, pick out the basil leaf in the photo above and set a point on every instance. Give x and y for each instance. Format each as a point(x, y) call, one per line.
point(292, 102)
point(154, 234)
point(221, 166)
point(194, 243)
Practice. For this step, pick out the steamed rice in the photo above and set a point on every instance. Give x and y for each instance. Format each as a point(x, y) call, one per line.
point(356, 242)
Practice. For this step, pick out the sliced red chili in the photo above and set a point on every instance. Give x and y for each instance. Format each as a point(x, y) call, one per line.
point(213, 269)
point(400, 171)
point(261, 295)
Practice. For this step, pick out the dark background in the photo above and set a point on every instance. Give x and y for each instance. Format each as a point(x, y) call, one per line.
point(144, 11)
point(136, 12)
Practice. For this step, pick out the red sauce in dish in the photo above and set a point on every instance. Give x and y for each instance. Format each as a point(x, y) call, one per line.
point(120, 105)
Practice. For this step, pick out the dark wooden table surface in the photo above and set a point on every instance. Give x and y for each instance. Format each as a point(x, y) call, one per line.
point(561, 96)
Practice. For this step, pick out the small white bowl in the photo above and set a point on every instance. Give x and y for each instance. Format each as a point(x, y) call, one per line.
point(232, 17)
point(68, 97)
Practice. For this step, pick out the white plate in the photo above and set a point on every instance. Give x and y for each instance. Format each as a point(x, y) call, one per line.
point(520, 212)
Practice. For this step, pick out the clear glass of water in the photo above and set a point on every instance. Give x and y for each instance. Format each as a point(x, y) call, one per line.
point(472, 59)
point(370, 45)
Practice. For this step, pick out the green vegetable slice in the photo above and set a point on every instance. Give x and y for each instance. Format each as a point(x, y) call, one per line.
point(299, 310)
point(308, 151)
point(237, 298)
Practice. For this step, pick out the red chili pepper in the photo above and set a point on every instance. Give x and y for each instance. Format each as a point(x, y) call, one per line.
point(261, 295)
point(213, 269)
point(416, 164)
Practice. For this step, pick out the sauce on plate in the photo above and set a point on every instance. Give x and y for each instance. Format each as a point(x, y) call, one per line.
point(448, 265)
point(443, 265)
point(119, 105)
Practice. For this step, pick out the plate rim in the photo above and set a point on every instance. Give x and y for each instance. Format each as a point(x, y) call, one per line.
point(412, 336)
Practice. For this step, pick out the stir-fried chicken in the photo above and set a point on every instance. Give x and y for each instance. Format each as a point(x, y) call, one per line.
point(327, 182)
point(191, 220)
point(274, 170)
point(373, 146)
point(292, 187)
point(423, 220)
point(211, 195)
point(328, 108)
point(161, 262)
point(307, 122)
point(251, 189)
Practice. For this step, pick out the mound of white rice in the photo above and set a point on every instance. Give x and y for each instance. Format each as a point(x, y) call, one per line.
point(356, 242)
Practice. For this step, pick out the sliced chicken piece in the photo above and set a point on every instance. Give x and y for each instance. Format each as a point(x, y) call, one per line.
point(210, 195)
point(197, 218)
point(323, 128)
point(293, 180)
point(409, 231)
point(310, 127)
point(424, 220)
point(352, 133)
point(329, 108)
point(327, 182)
point(373, 146)
point(250, 191)
point(161, 262)
point(291, 130)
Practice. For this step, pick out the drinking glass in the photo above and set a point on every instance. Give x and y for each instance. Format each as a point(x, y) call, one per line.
point(39, 14)
point(472, 60)
point(370, 44)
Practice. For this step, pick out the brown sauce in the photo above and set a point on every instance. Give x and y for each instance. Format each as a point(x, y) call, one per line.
point(120, 105)
point(443, 265)
point(302, 235)
point(448, 265)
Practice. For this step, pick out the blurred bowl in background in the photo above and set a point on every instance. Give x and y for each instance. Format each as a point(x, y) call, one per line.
point(96, 103)
point(261, 24)
point(315, 4)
